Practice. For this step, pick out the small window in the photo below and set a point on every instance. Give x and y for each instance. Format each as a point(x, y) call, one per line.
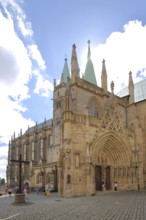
point(68, 179)
point(58, 104)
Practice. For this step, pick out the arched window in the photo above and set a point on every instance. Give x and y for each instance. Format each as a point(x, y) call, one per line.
point(68, 179)
point(93, 108)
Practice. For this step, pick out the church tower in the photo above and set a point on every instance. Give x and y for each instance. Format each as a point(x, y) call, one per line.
point(58, 103)
point(89, 70)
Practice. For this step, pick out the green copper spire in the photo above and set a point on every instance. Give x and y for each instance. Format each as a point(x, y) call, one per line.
point(65, 72)
point(89, 70)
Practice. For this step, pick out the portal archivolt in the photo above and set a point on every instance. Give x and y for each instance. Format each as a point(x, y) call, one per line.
point(112, 147)
point(111, 160)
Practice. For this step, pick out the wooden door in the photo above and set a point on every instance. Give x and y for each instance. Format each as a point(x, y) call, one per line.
point(98, 180)
point(107, 184)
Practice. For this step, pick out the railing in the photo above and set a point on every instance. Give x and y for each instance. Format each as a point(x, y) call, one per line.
point(81, 119)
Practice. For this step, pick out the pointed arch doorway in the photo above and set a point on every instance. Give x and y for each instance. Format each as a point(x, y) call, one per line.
point(99, 183)
point(109, 154)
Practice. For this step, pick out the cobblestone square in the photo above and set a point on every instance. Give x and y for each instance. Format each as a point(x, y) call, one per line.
point(126, 205)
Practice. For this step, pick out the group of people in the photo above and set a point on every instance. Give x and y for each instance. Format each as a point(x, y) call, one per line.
point(40, 190)
point(115, 186)
point(8, 190)
point(43, 189)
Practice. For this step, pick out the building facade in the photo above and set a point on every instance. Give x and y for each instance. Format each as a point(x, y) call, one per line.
point(96, 138)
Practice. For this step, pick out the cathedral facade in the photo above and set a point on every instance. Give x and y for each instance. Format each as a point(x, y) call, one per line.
point(96, 138)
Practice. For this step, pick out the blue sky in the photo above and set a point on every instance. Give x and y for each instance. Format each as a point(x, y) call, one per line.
point(35, 38)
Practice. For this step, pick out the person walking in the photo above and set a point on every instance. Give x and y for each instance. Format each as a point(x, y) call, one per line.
point(9, 191)
point(116, 186)
point(25, 191)
point(6, 190)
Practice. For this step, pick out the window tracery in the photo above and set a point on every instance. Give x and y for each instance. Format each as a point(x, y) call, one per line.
point(93, 110)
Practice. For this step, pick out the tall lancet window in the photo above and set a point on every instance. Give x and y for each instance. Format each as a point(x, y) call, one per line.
point(16, 172)
point(24, 151)
point(93, 108)
point(32, 154)
point(17, 152)
point(42, 148)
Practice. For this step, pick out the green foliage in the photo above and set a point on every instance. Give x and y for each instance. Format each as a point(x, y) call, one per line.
point(2, 181)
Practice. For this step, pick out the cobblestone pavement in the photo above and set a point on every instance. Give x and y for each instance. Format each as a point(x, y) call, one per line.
point(129, 205)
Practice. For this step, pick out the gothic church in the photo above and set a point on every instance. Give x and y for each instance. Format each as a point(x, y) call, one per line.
point(96, 138)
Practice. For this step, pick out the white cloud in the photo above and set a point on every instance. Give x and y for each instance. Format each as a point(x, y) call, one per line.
point(124, 52)
point(8, 64)
point(11, 118)
point(16, 71)
point(15, 68)
point(25, 27)
point(43, 87)
point(36, 55)
point(3, 161)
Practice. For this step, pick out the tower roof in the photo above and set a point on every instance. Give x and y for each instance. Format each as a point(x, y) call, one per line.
point(65, 72)
point(89, 70)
